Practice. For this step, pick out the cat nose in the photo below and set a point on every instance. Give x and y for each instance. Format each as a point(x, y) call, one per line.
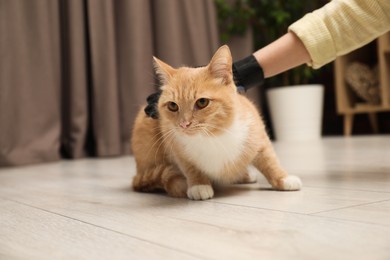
point(185, 124)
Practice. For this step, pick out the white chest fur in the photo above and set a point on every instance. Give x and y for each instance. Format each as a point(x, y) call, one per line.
point(212, 153)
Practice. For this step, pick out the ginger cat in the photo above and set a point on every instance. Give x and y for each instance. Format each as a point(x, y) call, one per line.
point(207, 133)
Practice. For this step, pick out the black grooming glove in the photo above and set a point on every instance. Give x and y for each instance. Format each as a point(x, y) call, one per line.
point(151, 109)
point(247, 73)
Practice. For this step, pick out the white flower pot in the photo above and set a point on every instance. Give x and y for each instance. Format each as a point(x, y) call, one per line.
point(296, 112)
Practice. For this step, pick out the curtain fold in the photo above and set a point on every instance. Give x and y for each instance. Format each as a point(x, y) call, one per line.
point(30, 83)
point(73, 73)
point(75, 79)
point(188, 39)
point(104, 78)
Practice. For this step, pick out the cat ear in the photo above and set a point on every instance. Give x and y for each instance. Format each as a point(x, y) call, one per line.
point(163, 70)
point(220, 65)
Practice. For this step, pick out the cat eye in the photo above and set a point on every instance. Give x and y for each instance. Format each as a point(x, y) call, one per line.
point(172, 106)
point(202, 103)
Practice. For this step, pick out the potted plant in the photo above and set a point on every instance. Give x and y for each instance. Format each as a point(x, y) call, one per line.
point(295, 106)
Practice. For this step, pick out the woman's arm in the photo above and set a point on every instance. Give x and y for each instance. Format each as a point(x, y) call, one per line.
point(319, 37)
point(340, 27)
point(283, 54)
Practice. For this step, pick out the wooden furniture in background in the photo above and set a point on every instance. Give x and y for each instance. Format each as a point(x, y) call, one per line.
point(377, 52)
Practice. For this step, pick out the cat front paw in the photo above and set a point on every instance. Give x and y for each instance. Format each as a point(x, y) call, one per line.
point(290, 183)
point(200, 192)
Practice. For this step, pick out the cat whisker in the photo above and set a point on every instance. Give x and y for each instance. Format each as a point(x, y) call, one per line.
point(216, 127)
point(169, 147)
point(167, 135)
point(158, 141)
point(168, 141)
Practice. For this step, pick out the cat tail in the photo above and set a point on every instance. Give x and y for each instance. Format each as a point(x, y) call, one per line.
point(161, 178)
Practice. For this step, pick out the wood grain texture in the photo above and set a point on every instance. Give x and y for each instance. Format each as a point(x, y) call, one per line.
point(33, 233)
point(85, 209)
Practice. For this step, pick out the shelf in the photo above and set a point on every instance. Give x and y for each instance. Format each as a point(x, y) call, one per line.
point(348, 104)
point(368, 108)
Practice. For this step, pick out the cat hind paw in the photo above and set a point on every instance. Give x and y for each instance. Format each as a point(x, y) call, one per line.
point(200, 192)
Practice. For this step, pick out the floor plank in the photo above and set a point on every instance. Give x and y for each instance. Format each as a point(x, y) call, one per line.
point(31, 233)
point(85, 209)
point(378, 213)
point(308, 201)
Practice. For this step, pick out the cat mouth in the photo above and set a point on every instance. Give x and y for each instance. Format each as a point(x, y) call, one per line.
point(192, 130)
point(189, 131)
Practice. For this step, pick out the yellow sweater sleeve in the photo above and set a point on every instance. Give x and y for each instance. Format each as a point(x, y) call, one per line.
point(340, 27)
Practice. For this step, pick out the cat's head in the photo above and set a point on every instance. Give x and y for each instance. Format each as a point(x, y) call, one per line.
point(198, 100)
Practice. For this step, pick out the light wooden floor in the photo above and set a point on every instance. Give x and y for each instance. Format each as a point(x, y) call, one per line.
point(85, 210)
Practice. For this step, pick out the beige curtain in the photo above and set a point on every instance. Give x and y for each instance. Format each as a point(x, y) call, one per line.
point(73, 73)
